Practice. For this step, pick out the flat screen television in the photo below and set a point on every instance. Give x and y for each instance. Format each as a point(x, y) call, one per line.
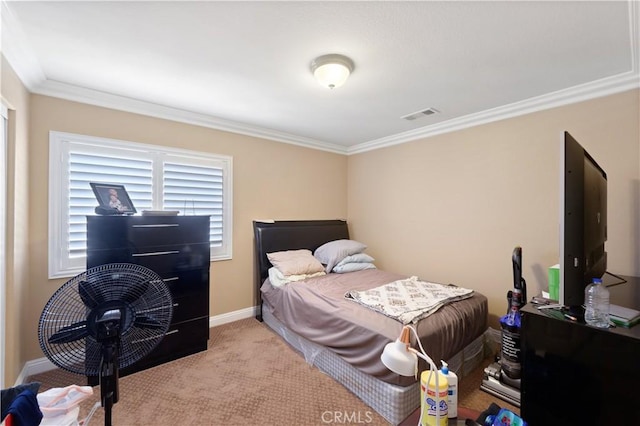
point(583, 222)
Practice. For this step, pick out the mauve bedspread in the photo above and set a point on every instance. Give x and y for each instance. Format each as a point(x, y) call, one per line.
point(317, 310)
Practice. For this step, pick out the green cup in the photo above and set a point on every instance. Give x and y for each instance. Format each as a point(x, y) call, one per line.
point(554, 282)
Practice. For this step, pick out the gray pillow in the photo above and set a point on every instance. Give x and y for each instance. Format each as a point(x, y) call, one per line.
point(352, 267)
point(356, 258)
point(331, 253)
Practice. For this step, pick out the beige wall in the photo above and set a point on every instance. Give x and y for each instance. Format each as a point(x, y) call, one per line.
point(17, 292)
point(271, 180)
point(451, 208)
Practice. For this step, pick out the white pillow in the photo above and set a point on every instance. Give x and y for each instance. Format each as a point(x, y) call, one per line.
point(352, 267)
point(331, 253)
point(278, 280)
point(356, 258)
point(295, 262)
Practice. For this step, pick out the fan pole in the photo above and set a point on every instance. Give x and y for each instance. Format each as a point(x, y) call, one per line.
point(109, 337)
point(109, 380)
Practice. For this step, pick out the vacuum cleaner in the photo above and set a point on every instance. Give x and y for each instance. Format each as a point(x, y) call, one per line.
point(502, 378)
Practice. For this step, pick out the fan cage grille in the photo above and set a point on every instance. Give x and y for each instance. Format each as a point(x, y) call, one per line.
point(146, 301)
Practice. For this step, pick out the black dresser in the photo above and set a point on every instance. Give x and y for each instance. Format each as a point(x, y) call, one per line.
point(176, 248)
point(575, 374)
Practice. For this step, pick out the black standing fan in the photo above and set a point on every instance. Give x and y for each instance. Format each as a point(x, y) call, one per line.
point(104, 319)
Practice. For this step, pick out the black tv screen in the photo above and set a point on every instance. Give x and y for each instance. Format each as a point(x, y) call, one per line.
point(583, 221)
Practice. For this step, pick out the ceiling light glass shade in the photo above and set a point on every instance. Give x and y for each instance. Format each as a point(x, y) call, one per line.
point(332, 70)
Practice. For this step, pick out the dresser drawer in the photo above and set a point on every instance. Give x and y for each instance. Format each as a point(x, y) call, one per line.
point(179, 341)
point(190, 282)
point(167, 261)
point(182, 337)
point(173, 259)
point(190, 307)
point(139, 232)
point(178, 231)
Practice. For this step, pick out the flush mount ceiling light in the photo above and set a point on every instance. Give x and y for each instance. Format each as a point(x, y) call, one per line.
point(332, 70)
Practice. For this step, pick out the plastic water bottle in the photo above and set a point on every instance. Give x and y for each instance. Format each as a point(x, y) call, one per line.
point(596, 301)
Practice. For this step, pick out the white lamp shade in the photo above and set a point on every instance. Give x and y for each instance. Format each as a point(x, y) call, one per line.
point(332, 70)
point(398, 359)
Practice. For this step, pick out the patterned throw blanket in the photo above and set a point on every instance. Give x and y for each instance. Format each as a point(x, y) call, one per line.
point(409, 300)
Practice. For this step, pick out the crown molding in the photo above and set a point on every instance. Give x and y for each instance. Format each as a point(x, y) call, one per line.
point(107, 100)
point(24, 61)
point(599, 88)
point(606, 86)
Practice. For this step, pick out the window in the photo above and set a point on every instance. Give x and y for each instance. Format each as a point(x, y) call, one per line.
point(156, 178)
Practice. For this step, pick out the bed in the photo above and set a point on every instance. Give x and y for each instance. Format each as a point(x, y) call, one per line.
point(345, 339)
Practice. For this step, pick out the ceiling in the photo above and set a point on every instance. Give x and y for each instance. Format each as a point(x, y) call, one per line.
point(245, 66)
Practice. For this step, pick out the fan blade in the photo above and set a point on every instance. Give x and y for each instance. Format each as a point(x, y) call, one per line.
point(144, 321)
point(70, 333)
point(90, 295)
point(134, 291)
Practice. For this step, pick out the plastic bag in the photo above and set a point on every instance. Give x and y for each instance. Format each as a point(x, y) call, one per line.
point(68, 419)
point(60, 401)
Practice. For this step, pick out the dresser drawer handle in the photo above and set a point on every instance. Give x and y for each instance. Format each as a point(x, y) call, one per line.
point(157, 225)
point(156, 253)
point(170, 279)
point(172, 332)
point(152, 337)
point(176, 305)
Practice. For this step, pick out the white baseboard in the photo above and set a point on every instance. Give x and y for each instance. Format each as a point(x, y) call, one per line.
point(232, 316)
point(42, 365)
point(32, 367)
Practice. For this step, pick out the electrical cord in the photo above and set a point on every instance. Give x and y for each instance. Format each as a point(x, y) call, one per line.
point(431, 372)
point(85, 421)
point(622, 280)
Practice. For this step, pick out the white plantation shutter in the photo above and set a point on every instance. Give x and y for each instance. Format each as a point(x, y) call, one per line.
point(135, 175)
point(196, 189)
point(156, 178)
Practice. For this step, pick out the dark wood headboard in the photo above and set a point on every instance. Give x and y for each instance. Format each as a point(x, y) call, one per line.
point(282, 235)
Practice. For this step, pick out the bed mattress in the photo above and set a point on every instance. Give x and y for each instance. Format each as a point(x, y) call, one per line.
point(394, 403)
point(317, 310)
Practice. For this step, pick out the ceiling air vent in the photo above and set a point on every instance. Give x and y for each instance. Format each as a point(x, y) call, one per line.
point(423, 113)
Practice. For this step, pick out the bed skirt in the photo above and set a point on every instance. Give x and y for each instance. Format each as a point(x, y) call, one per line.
point(394, 403)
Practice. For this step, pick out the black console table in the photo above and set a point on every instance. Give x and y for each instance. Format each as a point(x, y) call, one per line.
point(176, 248)
point(575, 374)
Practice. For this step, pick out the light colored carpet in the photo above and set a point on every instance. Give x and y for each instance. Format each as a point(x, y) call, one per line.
point(248, 376)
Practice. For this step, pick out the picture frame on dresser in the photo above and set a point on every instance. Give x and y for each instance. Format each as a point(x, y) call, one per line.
point(113, 198)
